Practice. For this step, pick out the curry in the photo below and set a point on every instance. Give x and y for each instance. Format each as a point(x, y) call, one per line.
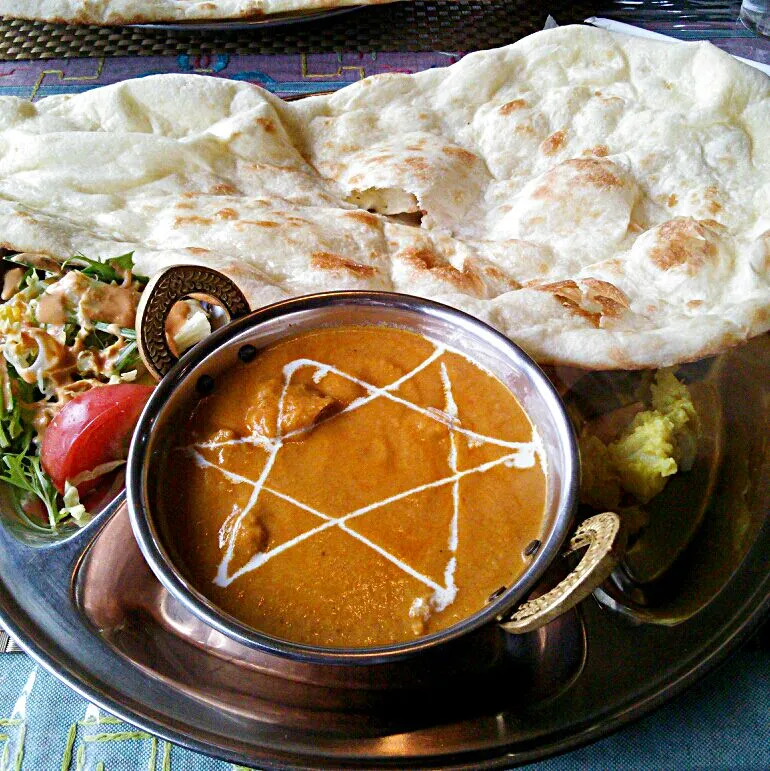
point(353, 487)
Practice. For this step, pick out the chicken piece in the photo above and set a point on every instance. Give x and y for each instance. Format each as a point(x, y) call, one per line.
point(302, 407)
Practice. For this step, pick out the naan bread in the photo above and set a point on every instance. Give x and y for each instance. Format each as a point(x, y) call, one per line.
point(116, 12)
point(603, 200)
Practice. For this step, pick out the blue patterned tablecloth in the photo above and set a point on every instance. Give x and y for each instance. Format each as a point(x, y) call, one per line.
point(722, 723)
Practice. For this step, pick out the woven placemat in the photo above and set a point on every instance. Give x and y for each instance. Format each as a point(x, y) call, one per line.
point(406, 26)
point(414, 25)
point(442, 25)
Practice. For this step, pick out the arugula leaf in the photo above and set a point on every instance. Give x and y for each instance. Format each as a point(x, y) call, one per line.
point(24, 472)
point(19, 463)
point(97, 340)
point(128, 358)
point(103, 337)
point(15, 433)
point(108, 271)
point(71, 330)
point(10, 425)
point(5, 437)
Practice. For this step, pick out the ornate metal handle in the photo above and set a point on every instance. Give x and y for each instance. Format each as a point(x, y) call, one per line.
point(605, 539)
point(159, 296)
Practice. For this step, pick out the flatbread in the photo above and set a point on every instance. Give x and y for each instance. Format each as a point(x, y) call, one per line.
point(601, 199)
point(118, 12)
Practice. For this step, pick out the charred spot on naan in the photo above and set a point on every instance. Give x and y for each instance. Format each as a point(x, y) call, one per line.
point(463, 156)
point(553, 143)
point(336, 263)
point(509, 136)
point(496, 280)
point(424, 263)
point(600, 151)
point(513, 106)
point(242, 225)
point(225, 188)
point(704, 202)
point(712, 199)
point(612, 300)
point(682, 263)
point(591, 299)
point(364, 217)
point(580, 206)
point(683, 243)
point(193, 219)
point(267, 124)
point(583, 172)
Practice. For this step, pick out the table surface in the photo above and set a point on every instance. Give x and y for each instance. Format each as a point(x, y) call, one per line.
point(722, 722)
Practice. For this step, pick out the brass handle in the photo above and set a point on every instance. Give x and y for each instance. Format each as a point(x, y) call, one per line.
point(159, 296)
point(605, 539)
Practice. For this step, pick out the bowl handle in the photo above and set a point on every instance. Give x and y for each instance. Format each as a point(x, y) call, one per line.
point(159, 296)
point(605, 539)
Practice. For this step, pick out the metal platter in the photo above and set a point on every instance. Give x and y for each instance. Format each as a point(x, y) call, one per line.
point(89, 610)
point(238, 25)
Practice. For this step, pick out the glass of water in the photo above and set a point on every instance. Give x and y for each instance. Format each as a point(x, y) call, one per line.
point(755, 14)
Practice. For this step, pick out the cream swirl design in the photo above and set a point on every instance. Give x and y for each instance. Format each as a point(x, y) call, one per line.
point(521, 455)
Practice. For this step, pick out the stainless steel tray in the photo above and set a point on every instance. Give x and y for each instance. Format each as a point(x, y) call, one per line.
point(90, 611)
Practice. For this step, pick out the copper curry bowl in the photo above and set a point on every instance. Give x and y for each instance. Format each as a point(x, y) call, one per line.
point(179, 390)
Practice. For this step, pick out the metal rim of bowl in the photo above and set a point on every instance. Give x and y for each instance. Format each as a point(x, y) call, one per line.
point(162, 565)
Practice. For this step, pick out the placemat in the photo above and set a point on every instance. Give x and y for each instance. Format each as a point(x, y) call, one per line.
point(415, 25)
point(288, 76)
point(720, 724)
point(406, 26)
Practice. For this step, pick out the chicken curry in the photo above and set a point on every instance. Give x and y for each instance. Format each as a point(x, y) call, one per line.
point(354, 487)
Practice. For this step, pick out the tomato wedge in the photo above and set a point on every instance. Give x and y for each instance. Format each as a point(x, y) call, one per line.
point(93, 429)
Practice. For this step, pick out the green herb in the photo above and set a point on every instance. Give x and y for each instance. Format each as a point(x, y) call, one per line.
point(30, 278)
point(12, 428)
point(71, 331)
point(19, 463)
point(127, 359)
point(127, 332)
point(97, 340)
point(108, 271)
point(15, 433)
point(102, 336)
point(24, 472)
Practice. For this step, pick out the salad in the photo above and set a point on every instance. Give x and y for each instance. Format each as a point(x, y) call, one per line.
point(72, 383)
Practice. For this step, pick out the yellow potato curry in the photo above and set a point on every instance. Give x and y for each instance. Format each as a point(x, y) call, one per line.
point(354, 487)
